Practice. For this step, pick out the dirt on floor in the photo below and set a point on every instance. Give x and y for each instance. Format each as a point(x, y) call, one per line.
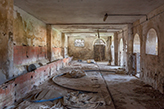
point(127, 92)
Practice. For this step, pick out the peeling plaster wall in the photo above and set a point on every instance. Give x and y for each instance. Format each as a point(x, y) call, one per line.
point(56, 38)
point(28, 30)
point(87, 52)
point(23, 41)
point(56, 43)
point(6, 39)
point(29, 38)
point(17, 88)
point(64, 45)
point(152, 66)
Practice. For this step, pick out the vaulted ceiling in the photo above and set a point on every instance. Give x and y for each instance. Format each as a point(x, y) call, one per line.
point(71, 16)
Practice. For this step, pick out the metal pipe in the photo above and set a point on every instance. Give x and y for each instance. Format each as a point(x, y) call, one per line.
point(124, 23)
point(106, 15)
point(125, 15)
point(98, 33)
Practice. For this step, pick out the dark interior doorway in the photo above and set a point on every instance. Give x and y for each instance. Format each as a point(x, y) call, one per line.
point(99, 50)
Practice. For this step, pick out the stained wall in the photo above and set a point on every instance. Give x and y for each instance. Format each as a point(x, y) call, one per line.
point(6, 39)
point(56, 44)
point(24, 41)
point(152, 66)
point(87, 52)
point(29, 38)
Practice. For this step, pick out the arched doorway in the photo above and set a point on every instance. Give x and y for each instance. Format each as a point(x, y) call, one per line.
point(120, 53)
point(136, 52)
point(99, 50)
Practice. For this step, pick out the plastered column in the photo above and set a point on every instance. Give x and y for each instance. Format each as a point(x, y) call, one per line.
point(6, 40)
point(130, 49)
point(49, 44)
point(116, 48)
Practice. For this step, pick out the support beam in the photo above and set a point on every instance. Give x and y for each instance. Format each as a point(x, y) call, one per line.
point(49, 38)
point(89, 32)
point(124, 23)
point(116, 48)
point(128, 15)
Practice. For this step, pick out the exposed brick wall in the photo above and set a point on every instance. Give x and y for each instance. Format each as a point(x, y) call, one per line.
point(26, 54)
point(13, 90)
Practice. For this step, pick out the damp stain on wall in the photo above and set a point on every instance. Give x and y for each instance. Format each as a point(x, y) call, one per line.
point(28, 30)
point(87, 51)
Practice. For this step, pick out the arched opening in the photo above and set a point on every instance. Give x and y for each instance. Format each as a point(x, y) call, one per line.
point(152, 42)
point(120, 53)
point(136, 52)
point(99, 50)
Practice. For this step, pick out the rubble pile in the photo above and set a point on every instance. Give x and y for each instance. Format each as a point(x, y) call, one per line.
point(76, 73)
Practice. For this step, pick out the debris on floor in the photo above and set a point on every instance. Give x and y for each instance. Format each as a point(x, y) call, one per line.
point(126, 91)
point(84, 83)
point(77, 100)
point(45, 95)
point(83, 65)
point(72, 100)
point(45, 105)
point(121, 71)
point(76, 73)
point(75, 89)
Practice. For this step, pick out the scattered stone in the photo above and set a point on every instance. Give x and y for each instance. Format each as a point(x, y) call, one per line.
point(82, 100)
